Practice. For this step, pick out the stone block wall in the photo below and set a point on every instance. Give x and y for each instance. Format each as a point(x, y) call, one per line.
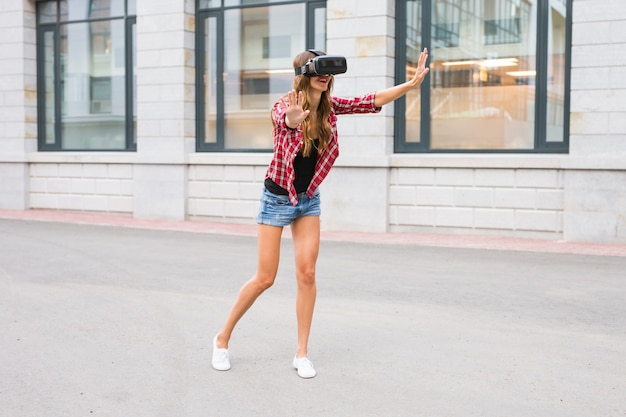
point(18, 100)
point(519, 202)
point(225, 193)
point(595, 183)
point(99, 187)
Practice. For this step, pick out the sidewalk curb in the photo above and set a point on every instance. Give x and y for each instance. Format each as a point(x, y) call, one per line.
point(417, 239)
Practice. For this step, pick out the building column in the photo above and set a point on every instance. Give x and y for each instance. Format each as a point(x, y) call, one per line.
point(595, 197)
point(355, 195)
point(18, 101)
point(165, 107)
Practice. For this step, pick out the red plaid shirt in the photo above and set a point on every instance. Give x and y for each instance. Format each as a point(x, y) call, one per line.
point(288, 142)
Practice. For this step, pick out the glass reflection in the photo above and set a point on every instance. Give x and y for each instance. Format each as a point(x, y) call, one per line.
point(483, 74)
point(210, 81)
point(258, 69)
point(50, 115)
point(556, 72)
point(93, 85)
point(413, 49)
point(72, 10)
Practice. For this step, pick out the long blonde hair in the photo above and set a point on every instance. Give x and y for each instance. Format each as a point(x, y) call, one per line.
point(303, 83)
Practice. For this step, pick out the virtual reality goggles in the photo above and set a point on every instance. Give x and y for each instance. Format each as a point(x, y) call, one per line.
point(323, 65)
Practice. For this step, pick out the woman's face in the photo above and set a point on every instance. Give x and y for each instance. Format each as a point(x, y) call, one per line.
point(320, 82)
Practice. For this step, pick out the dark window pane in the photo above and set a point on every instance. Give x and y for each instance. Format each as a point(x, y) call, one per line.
point(131, 8)
point(320, 28)
point(251, 2)
point(48, 74)
point(556, 72)
point(93, 85)
point(413, 46)
point(252, 81)
point(72, 10)
point(210, 81)
point(205, 4)
point(86, 97)
point(47, 12)
point(482, 87)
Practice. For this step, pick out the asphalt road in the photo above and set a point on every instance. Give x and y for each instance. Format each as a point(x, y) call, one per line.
point(113, 321)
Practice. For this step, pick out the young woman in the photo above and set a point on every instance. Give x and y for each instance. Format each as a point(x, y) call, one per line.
point(305, 148)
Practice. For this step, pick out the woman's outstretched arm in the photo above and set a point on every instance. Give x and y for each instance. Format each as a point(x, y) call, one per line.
point(390, 94)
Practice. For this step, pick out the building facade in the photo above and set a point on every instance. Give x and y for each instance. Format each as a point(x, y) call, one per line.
point(160, 109)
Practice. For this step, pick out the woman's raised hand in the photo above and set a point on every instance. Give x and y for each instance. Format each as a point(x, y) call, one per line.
point(393, 93)
point(294, 114)
point(421, 70)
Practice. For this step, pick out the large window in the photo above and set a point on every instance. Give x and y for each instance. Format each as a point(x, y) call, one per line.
point(245, 50)
point(498, 79)
point(85, 74)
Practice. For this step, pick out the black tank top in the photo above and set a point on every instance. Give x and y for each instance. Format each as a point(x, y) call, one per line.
point(304, 168)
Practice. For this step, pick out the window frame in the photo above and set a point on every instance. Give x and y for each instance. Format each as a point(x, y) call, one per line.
point(541, 144)
point(54, 28)
point(217, 12)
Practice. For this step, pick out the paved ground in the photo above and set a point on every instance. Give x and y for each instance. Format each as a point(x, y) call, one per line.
point(110, 316)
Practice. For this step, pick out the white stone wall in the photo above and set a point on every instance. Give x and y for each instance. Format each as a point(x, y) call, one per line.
point(598, 90)
point(519, 202)
point(225, 192)
point(595, 184)
point(18, 100)
point(100, 187)
point(165, 107)
point(355, 196)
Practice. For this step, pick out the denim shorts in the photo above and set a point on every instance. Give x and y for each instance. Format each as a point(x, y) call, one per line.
point(276, 210)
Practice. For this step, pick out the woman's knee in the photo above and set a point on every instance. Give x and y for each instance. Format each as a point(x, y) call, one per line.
point(306, 277)
point(264, 281)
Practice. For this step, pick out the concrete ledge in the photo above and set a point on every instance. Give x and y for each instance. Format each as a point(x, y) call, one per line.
point(82, 157)
point(230, 158)
point(477, 161)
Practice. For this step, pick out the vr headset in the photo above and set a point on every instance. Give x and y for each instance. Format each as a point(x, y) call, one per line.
point(323, 65)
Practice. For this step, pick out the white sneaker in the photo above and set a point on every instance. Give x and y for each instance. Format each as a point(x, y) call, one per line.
point(221, 361)
point(304, 367)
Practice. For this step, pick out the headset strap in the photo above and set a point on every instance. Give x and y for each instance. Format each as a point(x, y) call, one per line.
point(314, 52)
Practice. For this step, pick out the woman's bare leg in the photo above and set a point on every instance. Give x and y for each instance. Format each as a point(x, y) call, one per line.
point(306, 242)
point(268, 246)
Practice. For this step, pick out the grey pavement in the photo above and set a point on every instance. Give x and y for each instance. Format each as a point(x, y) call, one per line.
point(117, 321)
